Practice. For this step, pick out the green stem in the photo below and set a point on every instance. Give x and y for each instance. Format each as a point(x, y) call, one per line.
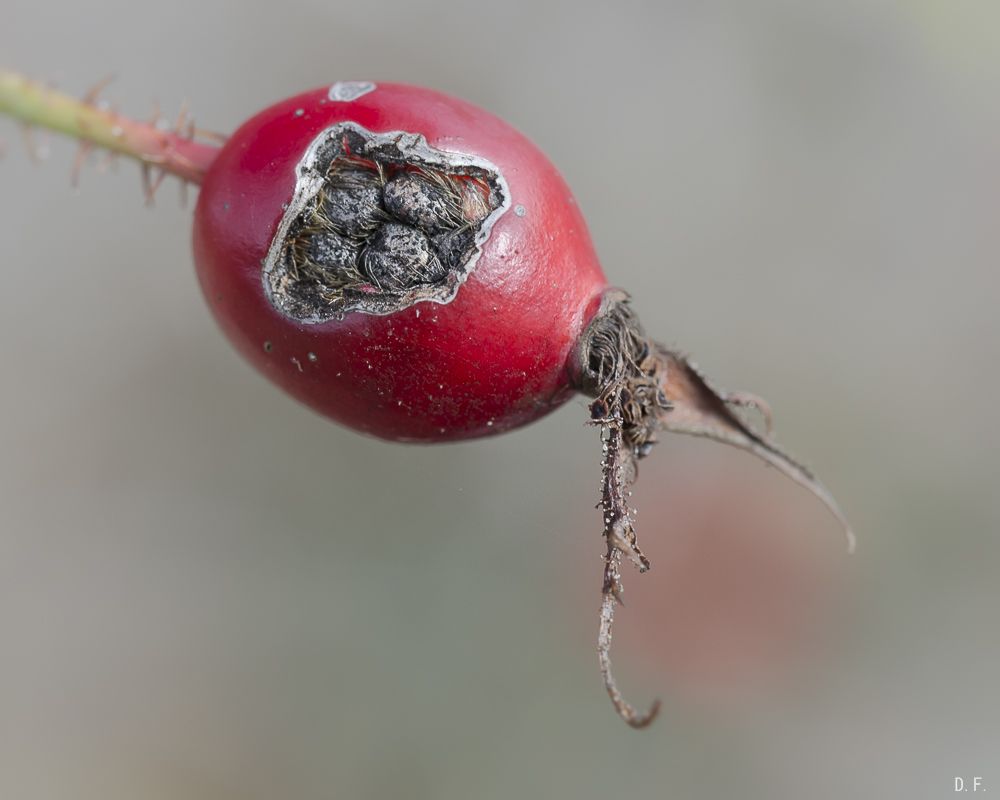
point(172, 152)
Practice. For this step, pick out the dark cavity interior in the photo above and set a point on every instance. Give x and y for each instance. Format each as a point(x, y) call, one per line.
point(379, 222)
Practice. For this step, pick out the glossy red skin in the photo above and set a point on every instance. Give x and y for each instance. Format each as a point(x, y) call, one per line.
point(498, 356)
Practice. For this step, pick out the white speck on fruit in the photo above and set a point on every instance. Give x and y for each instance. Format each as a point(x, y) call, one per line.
point(520, 210)
point(346, 91)
point(313, 357)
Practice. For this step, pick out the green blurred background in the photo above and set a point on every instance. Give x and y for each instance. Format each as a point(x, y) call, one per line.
point(207, 592)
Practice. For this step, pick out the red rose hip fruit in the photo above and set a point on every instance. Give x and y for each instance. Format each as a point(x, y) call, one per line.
point(403, 262)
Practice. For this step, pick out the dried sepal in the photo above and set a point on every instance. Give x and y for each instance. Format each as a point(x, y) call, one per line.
point(618, 473)
point(700, 410)
point(641, 388)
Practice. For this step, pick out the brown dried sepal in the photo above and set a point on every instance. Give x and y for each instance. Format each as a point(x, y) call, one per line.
point(640, 388)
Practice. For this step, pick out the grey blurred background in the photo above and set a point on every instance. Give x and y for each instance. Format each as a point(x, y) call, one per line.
point(208, 592)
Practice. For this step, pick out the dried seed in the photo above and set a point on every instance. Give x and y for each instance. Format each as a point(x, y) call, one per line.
point(454, 247)
point(353, 202)
point(412, 198)
point(398, 257)
point(333, 251)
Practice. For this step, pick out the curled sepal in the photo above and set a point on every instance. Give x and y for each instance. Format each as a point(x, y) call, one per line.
point(618, 473)
point(698, 409)
point(640, 388)
point(629, 713)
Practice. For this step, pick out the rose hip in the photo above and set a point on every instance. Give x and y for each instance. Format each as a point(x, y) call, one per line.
point(477, 340)
point(410, 266)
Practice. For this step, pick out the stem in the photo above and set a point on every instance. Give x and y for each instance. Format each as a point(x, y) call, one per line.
point(173, 152)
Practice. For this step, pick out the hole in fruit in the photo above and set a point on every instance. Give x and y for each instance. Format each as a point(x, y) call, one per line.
point(378, 222)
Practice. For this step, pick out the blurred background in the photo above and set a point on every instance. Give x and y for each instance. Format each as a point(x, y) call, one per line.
point(208, 592)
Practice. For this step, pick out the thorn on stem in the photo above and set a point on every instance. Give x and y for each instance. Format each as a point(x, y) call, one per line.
point(151, 182)
point(212, 136)
point(94, 92)
point(82, 151)
point(182, 118)
point(156, 118)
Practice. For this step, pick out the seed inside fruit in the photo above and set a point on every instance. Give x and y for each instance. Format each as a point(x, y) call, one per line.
point(399, 256)
point(353, 203)
point(453, 245)
point(332, 251)
point(379, 222)
point(418, 200)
